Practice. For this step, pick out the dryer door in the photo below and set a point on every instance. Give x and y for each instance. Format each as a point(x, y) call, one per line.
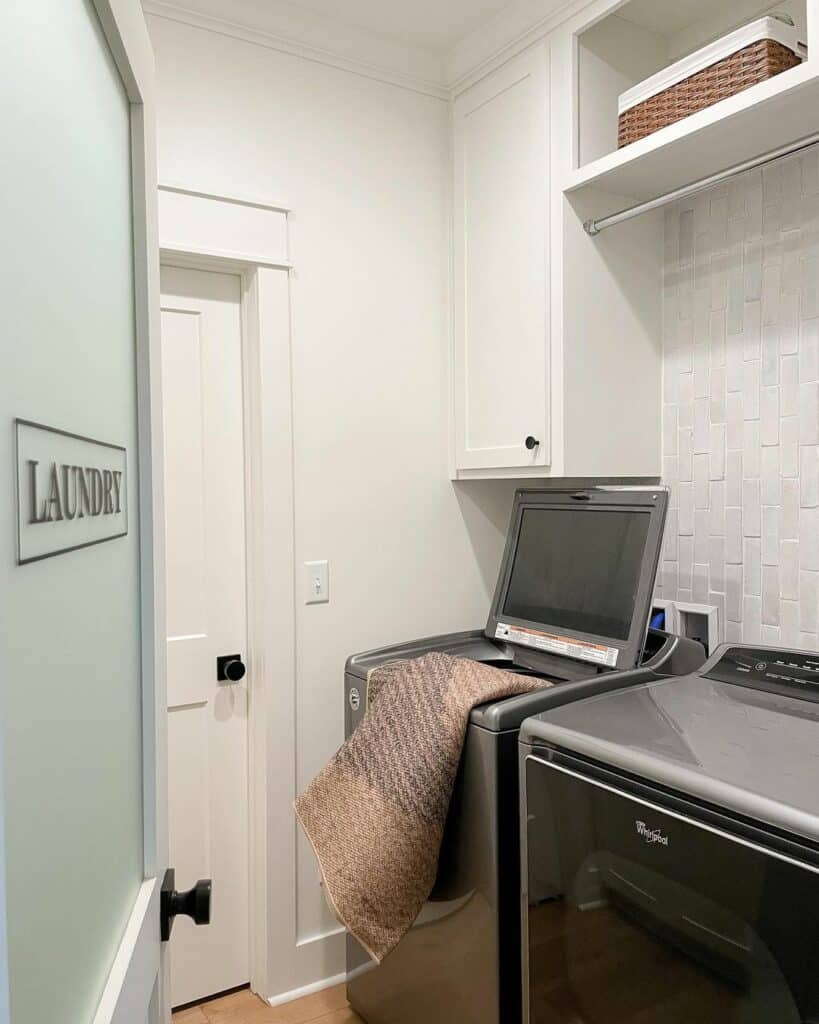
point(640, 914)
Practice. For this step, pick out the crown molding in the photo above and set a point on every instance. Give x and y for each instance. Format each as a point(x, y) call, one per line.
point(508, 34)
point(277, 26)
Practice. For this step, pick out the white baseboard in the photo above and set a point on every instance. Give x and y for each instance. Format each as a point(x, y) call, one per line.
point(306, 990)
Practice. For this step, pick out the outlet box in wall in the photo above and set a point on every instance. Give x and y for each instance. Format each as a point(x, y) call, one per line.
point(699, 622)
point(669, 611)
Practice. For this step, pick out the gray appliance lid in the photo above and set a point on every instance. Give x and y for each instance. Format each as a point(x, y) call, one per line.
point(752, 752)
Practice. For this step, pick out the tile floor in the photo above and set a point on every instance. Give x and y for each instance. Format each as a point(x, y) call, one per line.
point(328, 1007)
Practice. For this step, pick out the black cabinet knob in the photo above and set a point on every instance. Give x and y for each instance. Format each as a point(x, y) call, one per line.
point(230, 668)
point(194, 903)
point(531, 443)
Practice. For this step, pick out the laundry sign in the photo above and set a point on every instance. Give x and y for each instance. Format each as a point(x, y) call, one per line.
point(72, 491)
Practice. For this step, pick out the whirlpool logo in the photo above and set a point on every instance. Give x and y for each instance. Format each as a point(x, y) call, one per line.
point(650, 835)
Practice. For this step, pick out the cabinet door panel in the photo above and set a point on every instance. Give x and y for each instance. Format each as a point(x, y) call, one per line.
point(501, 350)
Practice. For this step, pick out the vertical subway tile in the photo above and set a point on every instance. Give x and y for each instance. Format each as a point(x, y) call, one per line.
point(701, 476)
point(809, 413)
point(685, 562)
point(809, 539)
point(791, 264)
point(686, 508)
point(752, 331)
point(769, 372)
point(770, 595)
point(789, 623)
point(808, 608)
point(752, 619)
point(770, 535)
point(809, 351)
point(700, 583)
point(809, 306)
point(771, 288)
point(789, 376)
point(701, 425)
point(718, 451)
point(751, 448)
point(751, 508)
point(735, 425)
point(741, 402)
point(789, 445)
point(733, 593)
point(750, 389)
point(716, 522)
point(718, 394)
point(753, 270)
point(769, 416)
point(734, 358)
point(685, 445)
point(789, 520)
point(752, 565)
point(772, 235)
point(733, 535)
point(702, 518)
point(717, 333)
point(769, 476)
point(716, 564)
point(733, 478)
point(789, 569)
point(791, 193)
point(789, 314)
point(809, 476)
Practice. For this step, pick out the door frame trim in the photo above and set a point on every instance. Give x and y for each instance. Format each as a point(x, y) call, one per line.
point(140, 961)
point(270, 576)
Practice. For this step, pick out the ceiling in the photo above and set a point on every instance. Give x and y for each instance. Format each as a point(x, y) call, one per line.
point(429, 24)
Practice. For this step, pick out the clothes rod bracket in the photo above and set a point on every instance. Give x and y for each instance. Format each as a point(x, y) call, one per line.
point(594, 226)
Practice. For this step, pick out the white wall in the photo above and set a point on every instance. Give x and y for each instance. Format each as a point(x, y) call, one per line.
point(365, 167)
point(741, 412)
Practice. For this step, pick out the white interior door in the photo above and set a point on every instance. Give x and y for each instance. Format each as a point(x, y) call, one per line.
point(205, 539)
point(81, 811)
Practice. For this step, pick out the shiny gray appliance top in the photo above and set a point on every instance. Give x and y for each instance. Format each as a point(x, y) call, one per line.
point(735, 739)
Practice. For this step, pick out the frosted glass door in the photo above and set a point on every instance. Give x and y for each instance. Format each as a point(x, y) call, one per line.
point(70, 622)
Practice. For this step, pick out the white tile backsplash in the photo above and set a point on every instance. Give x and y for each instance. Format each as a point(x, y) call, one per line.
point(741, 402)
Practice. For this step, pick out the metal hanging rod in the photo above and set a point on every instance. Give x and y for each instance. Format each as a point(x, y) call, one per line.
point(595, 226)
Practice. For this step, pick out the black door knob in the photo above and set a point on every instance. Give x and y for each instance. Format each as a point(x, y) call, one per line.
point(230, 668)
point(194, 903)
point(531, 442)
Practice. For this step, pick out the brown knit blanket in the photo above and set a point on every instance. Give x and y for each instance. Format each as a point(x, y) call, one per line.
point(375, 815)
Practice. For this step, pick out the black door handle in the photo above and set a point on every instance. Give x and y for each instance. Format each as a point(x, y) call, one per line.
point(230, 668)
point(195, 903)
point(531, 442)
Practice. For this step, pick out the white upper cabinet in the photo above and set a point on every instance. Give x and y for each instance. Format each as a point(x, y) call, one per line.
point(501, 387)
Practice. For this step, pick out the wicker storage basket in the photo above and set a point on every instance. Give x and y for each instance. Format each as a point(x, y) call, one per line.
point(753, 63)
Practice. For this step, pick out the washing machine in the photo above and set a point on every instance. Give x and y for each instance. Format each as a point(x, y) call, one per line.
point(572, 606)
point(670, 842)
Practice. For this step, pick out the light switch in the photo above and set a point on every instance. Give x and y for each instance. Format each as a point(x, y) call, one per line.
point(316, 582)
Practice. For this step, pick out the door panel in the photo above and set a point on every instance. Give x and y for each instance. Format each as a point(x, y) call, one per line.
point(638, 914)
point(501, 351)
point(207, 723)
point(71, 624)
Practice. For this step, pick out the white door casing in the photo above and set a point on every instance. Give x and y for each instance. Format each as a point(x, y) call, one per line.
point(129, 978)
point(205, 532)
point(501, 280)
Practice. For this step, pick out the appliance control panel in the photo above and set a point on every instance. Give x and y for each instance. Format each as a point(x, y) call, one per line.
point(794, 673)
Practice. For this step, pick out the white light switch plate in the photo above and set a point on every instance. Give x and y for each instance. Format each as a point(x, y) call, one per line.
point(316, 582)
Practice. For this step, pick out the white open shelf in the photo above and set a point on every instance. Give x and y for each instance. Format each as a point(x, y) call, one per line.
point(639, 38)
